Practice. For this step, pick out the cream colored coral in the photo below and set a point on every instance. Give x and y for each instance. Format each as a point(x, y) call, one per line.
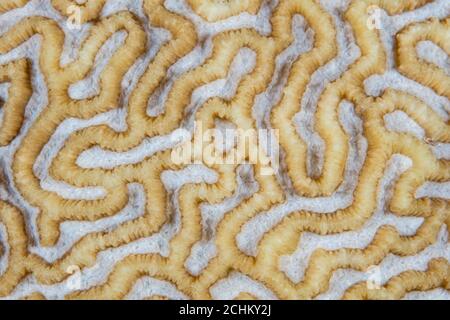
point(281, 240)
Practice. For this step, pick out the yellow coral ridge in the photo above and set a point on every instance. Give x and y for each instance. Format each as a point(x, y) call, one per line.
point(213, 10)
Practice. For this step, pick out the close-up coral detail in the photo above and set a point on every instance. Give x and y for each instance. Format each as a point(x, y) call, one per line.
point(95, 204)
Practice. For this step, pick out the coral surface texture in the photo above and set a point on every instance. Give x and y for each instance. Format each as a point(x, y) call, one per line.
point(224, 149)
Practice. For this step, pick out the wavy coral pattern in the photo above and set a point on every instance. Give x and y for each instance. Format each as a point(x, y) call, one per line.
point(283, 238)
